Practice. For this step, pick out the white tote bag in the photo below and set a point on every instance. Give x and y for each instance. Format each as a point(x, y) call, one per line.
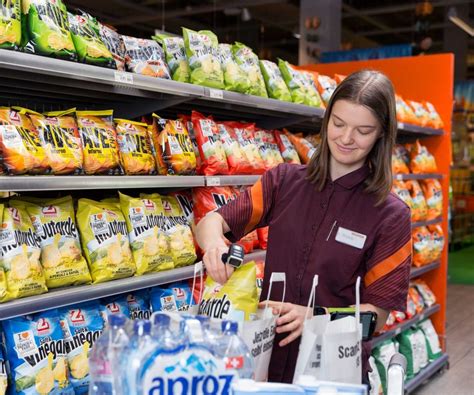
point(331, 350)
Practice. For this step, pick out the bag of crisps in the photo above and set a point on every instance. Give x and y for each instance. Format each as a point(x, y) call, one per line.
point(207, 199)
point(212, 153)
point(276, 87)
point(202, 53)
point(21, 273)
point(421, 114)
point(248, 61)
point(326, 87)
point(268, 148)
point(243, 133)
point(3, 373)
point(175, 55)
point(236, 300)
point(295, 80)
point(419, 209)
point(399, 166)
point(422, 246)
point(46, 29)
point(21, 150)
point(429, 298)
point(405, 113)
point(60, 138)
point(10, 25)
point(400, 189)
point(104, 239)
point(434, 120)
point(186, 119)
point(287, 150)
point(235, 77)
point(434, 198)
point(437, 235)
point(114, 43)
point(236, 159)
point(87, 40)
point(145, 57)
point(305, 149)
point(145, 224)
point(136, 154)
point(313, 98)
point(421, 160)
point(174, 152)
point(417, 299)
point(263, 237)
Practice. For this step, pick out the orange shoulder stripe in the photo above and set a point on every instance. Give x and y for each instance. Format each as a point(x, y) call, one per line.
point(256, 196)
point(387, 265)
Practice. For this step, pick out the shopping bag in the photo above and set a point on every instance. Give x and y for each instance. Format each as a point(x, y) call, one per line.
point(331, 350)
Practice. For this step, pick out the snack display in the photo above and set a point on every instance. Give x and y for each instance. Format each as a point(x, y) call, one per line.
point(268, 148)
point(400, 189)
point(419, 209)
point(237, 160)
point(421, 113)
point(248, 61)
point(175, 55)
point(422, 246)
point(114, 43)
point(288, 151)
point(304, 148)
point(10, 25)
point(434, 198)
point(145, 57)
point(274, 82)
point(235, 77)
point(421, 160)
point(405, 113)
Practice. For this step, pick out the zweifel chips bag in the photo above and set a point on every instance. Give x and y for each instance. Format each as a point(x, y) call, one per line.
point(210, 199)
point(173, 297)
point(432, 340)
point(419, 209)
point(421, 113)
point(434, 120)
point(235, 77)
point(268, 148)
point(99, 142)
point(104, 239)
point(202, 53)
point(313, 97)
point(10, 25)
point(116, 304)
point(421, 160)
point(412, 345)
point(405, 113)
point(3, 374)
point(46, 29)
point(301, 87)
point(276, 87)
point(437, 236)
point(305, 149)
point(248, 61)
point(399, 166)
point(422, 245)
point(149, 243)
point(287, 150)
point(175, 56)
point(400, 189)
point(236, 159)
point(326, 87)
point(139, 304)
point(114, 43)
point(434, 198)
point(145, 57)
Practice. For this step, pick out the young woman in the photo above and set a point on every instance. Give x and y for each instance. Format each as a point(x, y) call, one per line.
point(335, 217)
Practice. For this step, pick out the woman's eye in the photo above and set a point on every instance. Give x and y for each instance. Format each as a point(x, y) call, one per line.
point(364, 132)
point(338, 125)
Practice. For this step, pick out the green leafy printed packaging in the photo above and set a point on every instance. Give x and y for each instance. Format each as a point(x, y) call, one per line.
point(46, 29)
point(235, 78)
point(313, 98)
point(246, 58)
point(10, 24)
point(114, 43)
point(202, 53)
point(295, 80)
point(274, 82)
point(175, 55)
point(89, 46)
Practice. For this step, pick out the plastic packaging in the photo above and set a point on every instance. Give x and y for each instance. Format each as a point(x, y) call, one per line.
point(434, 120)
point(429, 298)
point(139, 305)
point(235, 77)
point(383, 354)
point(3, 374)
point(422, 246)
point(210, 199)
point(276, 87)
point(248, 61)
point(432, 340)
point(399, 188)
point(413, 347)
point(172, 298)
point(237, 160)
point(405, 113)
point(287, 150)
point(145, 57)
point(175, 55)
point(305, 149)
point(117, 304)
point(434, 198)
point(421, 113)
point(421, 160)
point(326, 87)
point(419, 209)
point(10, 27)
point(114, 43)
point(437, 236)
point(268, 148)
point(244, 387)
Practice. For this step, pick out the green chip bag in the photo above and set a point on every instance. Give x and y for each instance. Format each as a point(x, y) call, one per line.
point(382, 354)
point(295, 81)
point(175, 55)
point(432, 340)
point(202, 53)
point(10, 24)
point(235, 78)
point(413, 347)
point(274, 82)
point(246, 58)
point(89, 45)
point(46, 29)
point(313, 97)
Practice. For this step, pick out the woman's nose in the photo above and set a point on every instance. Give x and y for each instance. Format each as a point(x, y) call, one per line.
point(346, 138)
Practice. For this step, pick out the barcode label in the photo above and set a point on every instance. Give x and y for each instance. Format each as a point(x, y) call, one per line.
point(216, 94)
point(213, 181)
point(124, 77)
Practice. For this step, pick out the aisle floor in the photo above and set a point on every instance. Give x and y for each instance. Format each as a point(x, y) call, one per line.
point(459, 379)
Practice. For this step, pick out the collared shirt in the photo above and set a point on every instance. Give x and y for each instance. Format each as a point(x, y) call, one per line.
point(308, 235)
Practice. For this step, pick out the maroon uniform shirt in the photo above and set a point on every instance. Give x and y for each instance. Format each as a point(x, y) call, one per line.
point(303, 224)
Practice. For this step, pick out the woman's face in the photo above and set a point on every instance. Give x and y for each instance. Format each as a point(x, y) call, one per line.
point(352, 132)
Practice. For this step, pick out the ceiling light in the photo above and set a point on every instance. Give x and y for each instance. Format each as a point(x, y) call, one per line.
point(453, 17)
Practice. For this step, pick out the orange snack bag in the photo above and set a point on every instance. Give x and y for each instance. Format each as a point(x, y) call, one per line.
point(422, 246)
point(435, 120)
point(287, 150)
point(421, 113)
point(260, 266)
point(419, 209)
point(399, 166)
point(339, 78)
point(437, 236)
point(326, 86)
point(59, 135)
point(268, 148)
point(237, 160)
point(405, 113)
point(304, 148)
point(417, 299)
point(434, 198)
point(21, 150)
point(399, 188)
point(207, 199)
point(421, 160)
point(263, 237)
point(136, 154)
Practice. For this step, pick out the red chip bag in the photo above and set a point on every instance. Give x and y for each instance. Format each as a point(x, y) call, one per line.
point(247, 243)
point(421, 113)
point(390, 322)
point(212, 153)
point(287, 150)
point(419, 209)
point(434, 198)
point(268, 148)
point(422, 245)
point(400, 316)
point(237, 160)
point(207, 199)
point(304, 148)
point(263, 237)
point(405, 113)
point(417, 299)
point(434, 120)
point(256, 243)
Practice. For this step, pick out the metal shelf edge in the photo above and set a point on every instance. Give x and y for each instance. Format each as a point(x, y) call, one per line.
point(426, 223)
point(231, 180)
point(402, 177)
point(418, 271)
point(408, 128)
point(426, 373)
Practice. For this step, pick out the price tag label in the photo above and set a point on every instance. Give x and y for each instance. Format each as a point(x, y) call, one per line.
point(400, 125)
point(216, 94)
point(213, 181)
point(124, 77)
point(422, 317)
point(398, 331)
point(399, 177)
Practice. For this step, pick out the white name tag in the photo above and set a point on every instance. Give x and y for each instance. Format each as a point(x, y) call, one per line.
point(349, 237)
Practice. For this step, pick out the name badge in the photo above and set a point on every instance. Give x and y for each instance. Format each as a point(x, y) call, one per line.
point(351, 238)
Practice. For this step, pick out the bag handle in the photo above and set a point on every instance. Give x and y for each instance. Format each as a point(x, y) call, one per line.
point(312, 296)
point(198, 270)
point(276, 277)
point(357, 307)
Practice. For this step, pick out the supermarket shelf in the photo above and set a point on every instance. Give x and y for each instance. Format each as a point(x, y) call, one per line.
point(405, 325)
point(426, 223)
point(406, 129)
point(402, 177)
point(213, 181)
point(418, 271)
point(426, 373)
point(70, 295)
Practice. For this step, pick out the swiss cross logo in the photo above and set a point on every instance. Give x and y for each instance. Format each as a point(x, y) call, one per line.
point(234, 362)
point(179, 292)
point(77, 317)
point(15, 214)
point(149, 204)
point(43, 327)
point(113, 308)
point(50, 211)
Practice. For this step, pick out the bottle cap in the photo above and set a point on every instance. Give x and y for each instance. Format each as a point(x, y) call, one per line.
point(142, 327)
point(203, 319)
point(230, 326)
point(117, 320)
point(161, 319)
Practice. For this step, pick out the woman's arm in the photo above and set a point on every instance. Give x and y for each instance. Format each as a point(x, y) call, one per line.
point(382, 314)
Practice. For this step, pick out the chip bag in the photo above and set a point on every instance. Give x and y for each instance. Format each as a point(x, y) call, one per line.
point(399, 188)
point(412, 345)
point(104, 239)
point(295, 80)
point(421, 160)
point(276, 87)
point(422, 246)
point(326, 87)
point(417, 299)
point(313, 98)
point(212, 153)
point(186, 119)
point(46, 29)
point(202, 53)
point(139, 305)
point(114, 43)
point(145, 57)
point(236, 159)
point(87, 40)
point(135, 148)
point(10, 26)
point(419, 209)
point(383, 354)
point(405, 113)
point(21, 273)
point(235, 77)
point(82, 325)
point(173, 297)
point(60, 138)
point(116, 304)
point(99, 141)
point(263, 237)
point(399, 166)
point(432, 340)
point(268, 148)
point(21, 150)
point(437, 236)
point(3, 374)
point(434, 120)
point(339, 78)
point(248, 61)
point(305, 149)
point(174, 151)
point(287, 150)
point(421, 114)
point(411, 307)
point(434, 198)
point(207, 199)
point(175, 55)
point(429, 298)
point(236, 300)
point(145, 224)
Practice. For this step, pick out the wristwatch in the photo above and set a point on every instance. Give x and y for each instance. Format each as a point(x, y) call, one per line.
point(235, 256)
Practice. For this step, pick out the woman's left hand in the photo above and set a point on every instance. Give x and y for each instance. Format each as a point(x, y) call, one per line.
point(292, 317)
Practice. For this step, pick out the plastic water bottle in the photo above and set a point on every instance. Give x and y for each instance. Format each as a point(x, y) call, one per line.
point(161, 333)
point(211, 337)
point(234, 351)
point(105, 356)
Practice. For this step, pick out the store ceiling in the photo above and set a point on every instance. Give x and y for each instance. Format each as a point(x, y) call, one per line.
point(271, 26)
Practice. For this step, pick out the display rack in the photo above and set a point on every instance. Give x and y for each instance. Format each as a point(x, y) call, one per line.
point(419, 271)
point(426, 373)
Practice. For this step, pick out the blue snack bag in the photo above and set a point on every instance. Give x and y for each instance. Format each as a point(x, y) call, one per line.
point(173, 297)
point(114, 305)
point(139, 305)
point(3, 374)
point(81, 325)
point(36, 351)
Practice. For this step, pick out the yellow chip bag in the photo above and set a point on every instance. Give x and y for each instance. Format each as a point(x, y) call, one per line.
point(61, 257)
point(104, 239)
point(99, 142)
point(60, 138)
point(150, 245)
point(236, 300)
point(21, 273)
point(135, 147)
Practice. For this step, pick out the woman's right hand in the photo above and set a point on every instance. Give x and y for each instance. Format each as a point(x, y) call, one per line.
point(215, 267)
